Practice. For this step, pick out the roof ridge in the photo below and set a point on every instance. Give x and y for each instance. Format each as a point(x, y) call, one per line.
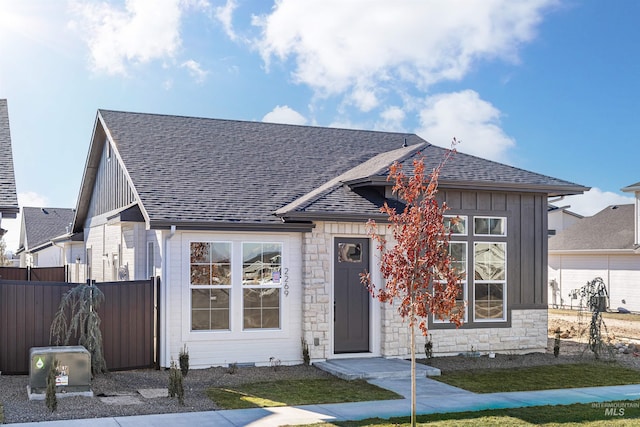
point(382, 161)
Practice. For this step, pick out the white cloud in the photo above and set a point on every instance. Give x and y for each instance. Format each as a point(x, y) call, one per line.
point(469, 119)
point(339, 45)
point(142, 31)
point(224, 14)
point(195, 70)
point(30, 199)
point(391, 120)
point(284, 114)
point(594, 200)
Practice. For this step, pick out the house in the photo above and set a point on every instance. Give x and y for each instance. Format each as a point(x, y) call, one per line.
point(8, 198)
point(257, 232)
point(604, 245)
point(45, 239)
point(560, 217)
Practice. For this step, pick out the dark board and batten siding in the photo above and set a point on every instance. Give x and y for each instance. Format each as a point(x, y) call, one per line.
point(526, 239)
point(111, 188)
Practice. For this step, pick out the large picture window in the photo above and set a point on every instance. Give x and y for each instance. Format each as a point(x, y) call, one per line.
point(261, 285)
point(490, 279)
point(210, 285)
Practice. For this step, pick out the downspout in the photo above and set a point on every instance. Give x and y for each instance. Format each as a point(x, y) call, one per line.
point(165, 351)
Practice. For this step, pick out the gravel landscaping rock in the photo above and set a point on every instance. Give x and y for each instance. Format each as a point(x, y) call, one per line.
point(116, 394)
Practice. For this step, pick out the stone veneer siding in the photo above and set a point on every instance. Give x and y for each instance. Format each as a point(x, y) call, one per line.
point(528, 331)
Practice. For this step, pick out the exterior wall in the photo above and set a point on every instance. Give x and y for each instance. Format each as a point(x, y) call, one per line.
point(74, 259)
point(528, 333)
point(53, 256)
point(559, 219)
point(117, 251)
point(526, 282)
point(220, 348)
point(620, 272)
point(317, 279)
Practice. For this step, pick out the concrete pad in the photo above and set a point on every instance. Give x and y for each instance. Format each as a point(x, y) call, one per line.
point(374, 368)
point(120, 400)
point(425, 387)
point(153, 393)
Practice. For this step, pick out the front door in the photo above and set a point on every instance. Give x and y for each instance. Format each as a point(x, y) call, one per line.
point(351, 298)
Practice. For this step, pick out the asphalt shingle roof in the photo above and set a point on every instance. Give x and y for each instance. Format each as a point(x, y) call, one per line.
point(187, 169)
point(43, 224)
point(611, 228)
point(8, 197)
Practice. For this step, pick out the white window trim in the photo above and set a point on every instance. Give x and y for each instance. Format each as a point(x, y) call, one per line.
point(503, 218)
point(466, 222)
point(278, 286)
point(196, 287)
point(235, 330)
point(503, 282)
point(465, 285)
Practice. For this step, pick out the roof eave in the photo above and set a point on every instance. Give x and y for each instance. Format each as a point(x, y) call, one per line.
point(550, 190)
point(591, 251)
point(232, 226)
point(332, 216)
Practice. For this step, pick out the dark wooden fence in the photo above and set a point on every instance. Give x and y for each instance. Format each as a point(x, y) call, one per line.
point(129, 322)
point(35, 274)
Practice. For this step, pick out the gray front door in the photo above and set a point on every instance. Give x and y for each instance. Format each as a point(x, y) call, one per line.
point(351, 298)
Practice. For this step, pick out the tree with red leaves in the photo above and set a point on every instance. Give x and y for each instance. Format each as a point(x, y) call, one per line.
point(417, 268)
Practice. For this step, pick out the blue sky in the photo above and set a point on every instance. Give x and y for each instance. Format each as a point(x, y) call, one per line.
point(545, 85)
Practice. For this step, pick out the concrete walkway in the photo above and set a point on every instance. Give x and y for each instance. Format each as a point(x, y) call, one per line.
point(432, 397)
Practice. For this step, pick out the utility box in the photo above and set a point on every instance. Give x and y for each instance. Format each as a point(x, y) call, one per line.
point(73, 371)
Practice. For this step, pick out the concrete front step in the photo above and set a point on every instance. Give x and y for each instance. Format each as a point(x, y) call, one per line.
point(374, 368)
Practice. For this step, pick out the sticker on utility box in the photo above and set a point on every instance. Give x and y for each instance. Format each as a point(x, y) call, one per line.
point(63, 375)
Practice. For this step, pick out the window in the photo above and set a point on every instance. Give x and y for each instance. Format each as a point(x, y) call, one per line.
point(349, 252)
point(458, 254)
point(261, 285)
point(457, 225)
point(210, 284)
point(490, 279)
point(489, 226)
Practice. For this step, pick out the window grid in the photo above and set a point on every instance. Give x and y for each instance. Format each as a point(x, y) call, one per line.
point(210, 285)
point(262, 285)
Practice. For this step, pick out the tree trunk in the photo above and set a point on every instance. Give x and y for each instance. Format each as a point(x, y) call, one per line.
point(413, 371)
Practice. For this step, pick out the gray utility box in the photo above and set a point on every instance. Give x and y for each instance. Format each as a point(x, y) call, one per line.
point(73, 372)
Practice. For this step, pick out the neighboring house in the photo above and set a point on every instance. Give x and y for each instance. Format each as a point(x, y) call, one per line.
point(8, 198)
point(258, 233)
point(602, 245)
point(44, 238)
point(560, 217)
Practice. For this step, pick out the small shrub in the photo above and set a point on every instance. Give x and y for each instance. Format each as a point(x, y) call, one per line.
point(176, 388)
point(306, 358)
point(275, 363)
point(51, 400)
point(183, 359)
point(556, 343)
point(428, 348)
point(233, 368)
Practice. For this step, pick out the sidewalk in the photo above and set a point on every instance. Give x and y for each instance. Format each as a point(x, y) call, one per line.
point(432, 397)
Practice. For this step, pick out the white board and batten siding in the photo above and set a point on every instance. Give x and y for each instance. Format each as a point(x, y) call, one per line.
point(221, 348)
point(621, 274)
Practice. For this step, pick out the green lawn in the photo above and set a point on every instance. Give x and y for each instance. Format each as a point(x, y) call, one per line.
point(297, 392)
point(588, 414)
point(542, 377)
